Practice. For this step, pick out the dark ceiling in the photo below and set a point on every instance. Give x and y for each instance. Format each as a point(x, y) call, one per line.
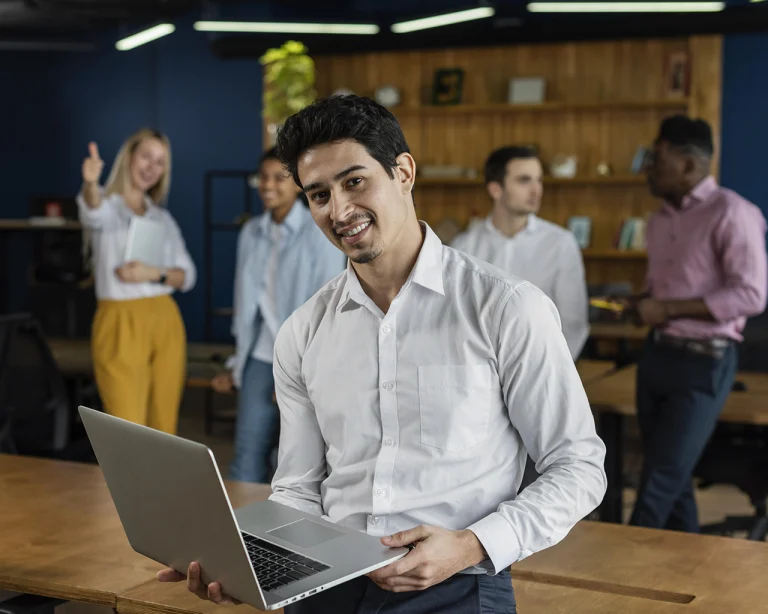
point(29, 20)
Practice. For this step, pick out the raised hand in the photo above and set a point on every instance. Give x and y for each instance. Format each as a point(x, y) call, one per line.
point(92, 165)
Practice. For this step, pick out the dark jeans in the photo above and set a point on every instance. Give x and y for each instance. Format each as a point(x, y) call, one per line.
point(461, 594)
point(679, 399)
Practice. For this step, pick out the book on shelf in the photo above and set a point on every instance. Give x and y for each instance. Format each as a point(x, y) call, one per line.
point(631, 235)
point(581, 227)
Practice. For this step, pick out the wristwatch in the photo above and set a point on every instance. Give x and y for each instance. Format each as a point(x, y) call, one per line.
point(163, 277)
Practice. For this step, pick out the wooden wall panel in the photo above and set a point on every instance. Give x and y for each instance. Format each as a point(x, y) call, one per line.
point(604, 99)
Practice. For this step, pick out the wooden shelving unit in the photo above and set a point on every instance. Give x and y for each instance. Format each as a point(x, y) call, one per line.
point(428, 182)
point(614, 254)
point(606, 99)
point(545, 107)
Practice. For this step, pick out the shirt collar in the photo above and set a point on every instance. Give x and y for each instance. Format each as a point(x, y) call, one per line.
point(427, 272)
point(530, 227)
point(700, 193)
point(292, 222)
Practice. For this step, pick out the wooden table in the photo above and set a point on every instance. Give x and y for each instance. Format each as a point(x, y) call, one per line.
point(593, 370)
point(74, 359)
point(613, 398)
point(692, 573)
point(61, 536)
point(618, 331)
point(599, 568)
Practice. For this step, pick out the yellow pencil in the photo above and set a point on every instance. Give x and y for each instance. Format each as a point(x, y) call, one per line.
point(603, 304)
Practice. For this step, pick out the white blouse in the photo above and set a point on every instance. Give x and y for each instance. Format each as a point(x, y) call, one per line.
point(109, 225)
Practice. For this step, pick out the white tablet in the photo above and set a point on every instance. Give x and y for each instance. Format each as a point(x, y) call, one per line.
point(146, 242)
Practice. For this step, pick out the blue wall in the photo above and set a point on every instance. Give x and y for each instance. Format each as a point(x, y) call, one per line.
point(744, 119)
point(54, 104)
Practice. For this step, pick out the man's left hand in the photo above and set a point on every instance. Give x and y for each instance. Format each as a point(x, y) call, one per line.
point(437, 555)
point(652, 312)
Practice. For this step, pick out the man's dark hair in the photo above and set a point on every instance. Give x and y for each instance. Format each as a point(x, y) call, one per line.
point(496, 164)
point(341, 118)
point(688, 135)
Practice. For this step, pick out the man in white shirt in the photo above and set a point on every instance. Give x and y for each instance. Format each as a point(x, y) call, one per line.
point(411, 385)
point(515, 240)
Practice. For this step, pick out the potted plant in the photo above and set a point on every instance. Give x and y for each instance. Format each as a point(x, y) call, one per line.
point(289, 83)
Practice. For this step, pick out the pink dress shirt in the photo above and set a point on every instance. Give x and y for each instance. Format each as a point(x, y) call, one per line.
point(712, 248)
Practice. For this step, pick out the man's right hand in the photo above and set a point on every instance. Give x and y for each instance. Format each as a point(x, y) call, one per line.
point(210, 592)
point(92, 165)
point(223, 383)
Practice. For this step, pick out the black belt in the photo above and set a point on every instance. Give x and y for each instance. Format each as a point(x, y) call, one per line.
point(714, 347)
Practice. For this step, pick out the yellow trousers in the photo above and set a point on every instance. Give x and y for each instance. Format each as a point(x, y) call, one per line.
point(139, 350)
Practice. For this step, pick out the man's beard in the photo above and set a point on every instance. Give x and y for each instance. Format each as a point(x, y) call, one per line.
point(366, 257)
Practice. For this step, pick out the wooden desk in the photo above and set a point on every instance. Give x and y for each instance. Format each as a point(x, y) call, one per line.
point(619, 331)
point(593, 370)
point(616, 394)
point(613, 398)
point(693, 573)
point(74, 359)
point(61, 536)
point(598, 568)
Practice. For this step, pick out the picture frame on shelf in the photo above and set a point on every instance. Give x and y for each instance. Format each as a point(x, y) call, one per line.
point(677, 74)
point(526, 90)
point(448, 86)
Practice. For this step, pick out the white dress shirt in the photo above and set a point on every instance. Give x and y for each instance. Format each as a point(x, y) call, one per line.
point(270, 323)
point(545, 254)
point(109, 225)
point(423, 415)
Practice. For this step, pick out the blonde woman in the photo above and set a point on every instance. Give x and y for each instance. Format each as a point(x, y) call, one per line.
point(138, 339)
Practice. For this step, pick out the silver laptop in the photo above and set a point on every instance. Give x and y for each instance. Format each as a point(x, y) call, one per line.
point(173, 506)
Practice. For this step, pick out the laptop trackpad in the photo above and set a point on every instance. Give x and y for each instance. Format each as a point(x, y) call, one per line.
point(305, 533)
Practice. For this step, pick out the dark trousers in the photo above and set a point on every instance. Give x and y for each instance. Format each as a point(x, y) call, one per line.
point(461, 594)
point(679, 399)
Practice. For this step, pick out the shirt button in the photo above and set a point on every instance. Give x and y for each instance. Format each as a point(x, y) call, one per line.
point(386, 330)
point(388, 386)
point(389, 442)
point(373, 520)
point(381, 493)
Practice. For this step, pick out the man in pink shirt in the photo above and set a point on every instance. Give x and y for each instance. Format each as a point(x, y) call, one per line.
point(706, 274)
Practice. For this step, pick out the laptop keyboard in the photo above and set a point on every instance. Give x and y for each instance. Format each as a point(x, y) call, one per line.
point(276, 566)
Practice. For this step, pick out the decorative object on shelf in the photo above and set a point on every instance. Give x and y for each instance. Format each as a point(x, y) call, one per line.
point(448, 86)
point(526, 90)
point(387, 96)
point(581, 227)
point(677, 74)
point(442, 171)
point(563, 167)
point(640, 160)
point(604, 169)
point(342, 91)
point(289, 79)
point(447, 229)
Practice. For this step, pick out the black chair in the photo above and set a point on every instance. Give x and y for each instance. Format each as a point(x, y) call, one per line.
point(738, 454)
point(34, 405)
point(596, 314)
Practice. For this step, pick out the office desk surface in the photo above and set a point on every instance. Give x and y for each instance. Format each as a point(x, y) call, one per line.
point(616, 393)
point(74, 358)
point(593, 370)
point(598, 568)
point(617, 331)
point(699, 573)
point(60, 535)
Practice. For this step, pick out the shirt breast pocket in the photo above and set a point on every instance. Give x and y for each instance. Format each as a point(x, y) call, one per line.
point(454, 405)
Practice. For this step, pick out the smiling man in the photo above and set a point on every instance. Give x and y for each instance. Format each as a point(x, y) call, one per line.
point(411, 386)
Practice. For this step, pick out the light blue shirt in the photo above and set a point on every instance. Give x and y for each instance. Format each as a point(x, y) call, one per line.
point(306, 260)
